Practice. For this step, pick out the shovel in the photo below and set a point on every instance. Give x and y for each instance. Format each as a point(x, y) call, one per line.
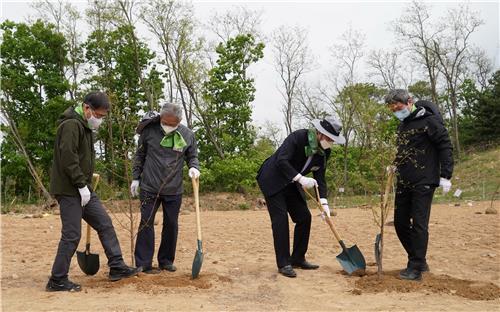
point(88, 262)
point(351, 259)
point(198, 256)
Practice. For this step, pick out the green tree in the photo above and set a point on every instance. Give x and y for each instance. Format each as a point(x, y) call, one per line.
point(33, 89)
point(480, 112)
point(421, 90)
point(227, 95)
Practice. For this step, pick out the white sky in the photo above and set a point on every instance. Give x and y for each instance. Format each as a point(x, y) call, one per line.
point(325, 22)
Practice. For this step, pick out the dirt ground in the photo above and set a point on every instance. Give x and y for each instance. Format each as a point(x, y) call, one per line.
point(239, 271)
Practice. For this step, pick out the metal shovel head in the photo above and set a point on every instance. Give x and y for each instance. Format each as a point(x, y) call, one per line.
point(197, 261)
point(352, 261)
point(88, 262)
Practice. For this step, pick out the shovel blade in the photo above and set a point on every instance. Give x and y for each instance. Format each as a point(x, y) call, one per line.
point(197, 261)
point(352, 261)
point(89, 263)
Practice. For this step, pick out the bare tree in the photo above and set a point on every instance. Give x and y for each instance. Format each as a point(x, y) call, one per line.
point(66, 18)
point(452, 49)
point(481, 67)
point(292, 59)
point(172, 23)
point(272, 131)
point(237, 21)
point(309, 104)
point(347, 54)
point(416, 33)
point(385, 65)
point(388, 66)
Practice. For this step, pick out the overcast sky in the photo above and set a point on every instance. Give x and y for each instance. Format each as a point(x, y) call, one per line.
point(325, 22)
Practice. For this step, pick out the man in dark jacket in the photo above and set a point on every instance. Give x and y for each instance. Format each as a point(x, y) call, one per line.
point(70, 183)
point(164, 144)
point(281, 179)
point(424, 161)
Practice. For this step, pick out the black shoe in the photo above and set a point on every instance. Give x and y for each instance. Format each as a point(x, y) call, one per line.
point(116, 274)
point(169, 267)
point(304, 265)
point(425, 268)
point(287, 271)
point(62, 285)
point(410, 274)
point(151, 270)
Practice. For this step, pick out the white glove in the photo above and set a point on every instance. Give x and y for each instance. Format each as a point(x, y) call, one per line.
point(134, 188)
point(390, 169)
point(193, 173)
point(326, 209)
point(305, 181)
point(85, 195)
point(446, 184)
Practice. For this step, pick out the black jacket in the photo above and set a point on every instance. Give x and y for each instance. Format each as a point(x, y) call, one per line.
point(424, 148)
point(158, 168)
point(278, 170)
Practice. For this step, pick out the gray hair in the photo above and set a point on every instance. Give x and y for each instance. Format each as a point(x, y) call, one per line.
point(397, 95)
point(171, 108)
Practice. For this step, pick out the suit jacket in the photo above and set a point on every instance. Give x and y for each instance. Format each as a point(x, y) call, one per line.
point(279, 169)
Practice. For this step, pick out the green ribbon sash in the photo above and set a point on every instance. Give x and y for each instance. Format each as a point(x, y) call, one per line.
point(174, 140)
point(313, 147)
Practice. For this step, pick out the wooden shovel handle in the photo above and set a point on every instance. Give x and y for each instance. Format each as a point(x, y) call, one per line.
point(196, 190)
point(97, 178)
point(327, 218)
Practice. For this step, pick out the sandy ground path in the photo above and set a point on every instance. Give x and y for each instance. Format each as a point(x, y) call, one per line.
point(239, 271)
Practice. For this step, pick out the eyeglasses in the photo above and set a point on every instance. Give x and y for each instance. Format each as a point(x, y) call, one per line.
point(95, 113)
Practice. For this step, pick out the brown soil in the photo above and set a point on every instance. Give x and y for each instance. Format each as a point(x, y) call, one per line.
point(441, 284)
point(239, 271)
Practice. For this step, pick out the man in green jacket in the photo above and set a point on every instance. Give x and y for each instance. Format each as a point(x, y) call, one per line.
point(70, 184)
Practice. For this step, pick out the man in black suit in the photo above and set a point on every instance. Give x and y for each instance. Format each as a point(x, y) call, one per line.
point(281, 178)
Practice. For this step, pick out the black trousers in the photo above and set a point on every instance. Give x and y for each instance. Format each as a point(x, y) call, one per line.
point(145, 243)
point(71, 217)
point(289, 201)
point(411, 220)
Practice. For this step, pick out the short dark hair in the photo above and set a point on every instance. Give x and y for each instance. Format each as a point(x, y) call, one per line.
point(97, 99)
point(397, 95)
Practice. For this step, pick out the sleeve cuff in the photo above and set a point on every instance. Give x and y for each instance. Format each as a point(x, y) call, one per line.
point(297, 177)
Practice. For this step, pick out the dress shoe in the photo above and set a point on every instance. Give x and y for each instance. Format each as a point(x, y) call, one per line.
point(304, 265)
point(287, 271)
point(410, 275)
point(169, 267)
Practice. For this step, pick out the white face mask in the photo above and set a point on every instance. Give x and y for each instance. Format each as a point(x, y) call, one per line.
point(94, 122)
point(168, 129)
point(325, 144)
point(402, 114)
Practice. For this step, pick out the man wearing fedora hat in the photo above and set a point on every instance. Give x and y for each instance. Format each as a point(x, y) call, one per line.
point(281, 179)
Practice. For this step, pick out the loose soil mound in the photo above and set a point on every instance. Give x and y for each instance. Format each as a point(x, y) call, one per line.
point(159, 283)
point(441, 284)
